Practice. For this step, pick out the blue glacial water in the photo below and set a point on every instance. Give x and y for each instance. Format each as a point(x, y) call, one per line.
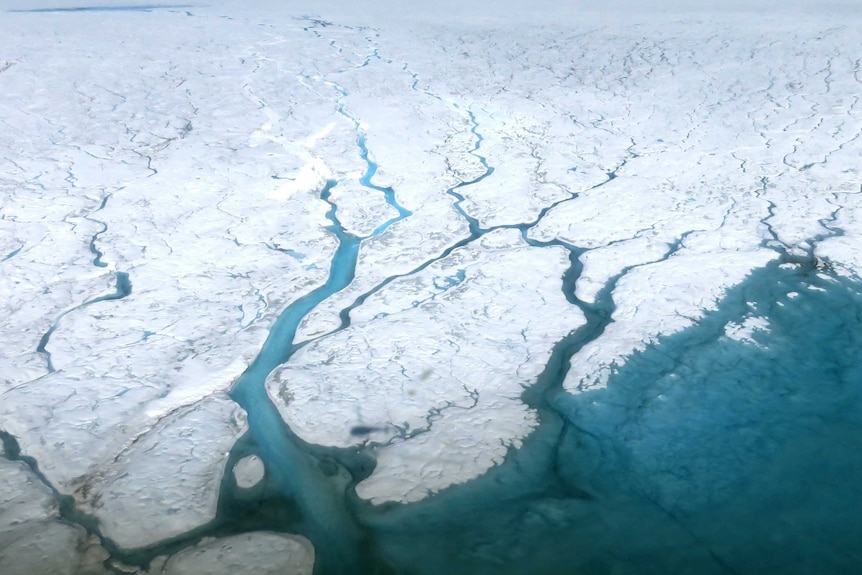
point(314, 492)
point(371, 168)
point(97, 254)
point(387, 192)
point(704, 454)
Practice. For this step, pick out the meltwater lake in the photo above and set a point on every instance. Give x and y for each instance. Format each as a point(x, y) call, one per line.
point(708, 452)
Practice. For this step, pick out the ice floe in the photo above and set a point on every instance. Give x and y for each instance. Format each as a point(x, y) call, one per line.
point(248, 471)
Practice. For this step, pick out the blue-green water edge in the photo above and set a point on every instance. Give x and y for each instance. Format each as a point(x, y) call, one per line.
point(703, 455)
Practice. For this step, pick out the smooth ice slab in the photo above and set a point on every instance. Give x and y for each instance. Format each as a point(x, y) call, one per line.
point(248, 471)
point(261, 553)
point(33, 537)
point(167, 481)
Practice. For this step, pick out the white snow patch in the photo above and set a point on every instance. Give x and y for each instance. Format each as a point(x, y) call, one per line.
point(259, 552)
point(167, 481)
point(744, 331)
point(248, 471)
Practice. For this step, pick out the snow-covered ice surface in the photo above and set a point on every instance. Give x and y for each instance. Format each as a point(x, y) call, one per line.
point(249, 471)
point(33, 539)
point(273, 553)
point(298, 287)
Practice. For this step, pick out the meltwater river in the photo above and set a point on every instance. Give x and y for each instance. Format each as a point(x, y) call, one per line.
point(704, 454)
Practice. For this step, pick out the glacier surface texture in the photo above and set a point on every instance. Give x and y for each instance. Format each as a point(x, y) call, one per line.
point(435, 290)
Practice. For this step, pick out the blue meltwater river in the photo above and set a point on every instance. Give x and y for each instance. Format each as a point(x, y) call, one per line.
point(705, 453)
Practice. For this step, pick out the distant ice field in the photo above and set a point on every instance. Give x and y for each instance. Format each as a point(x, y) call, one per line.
point(462, 289)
